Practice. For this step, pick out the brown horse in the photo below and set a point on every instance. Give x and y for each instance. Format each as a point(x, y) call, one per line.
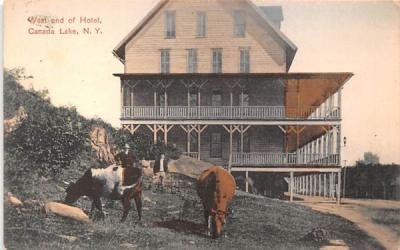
point(113, 182)
point(215, 187)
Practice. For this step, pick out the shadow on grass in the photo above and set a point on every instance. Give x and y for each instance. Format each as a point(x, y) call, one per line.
point(183, 227)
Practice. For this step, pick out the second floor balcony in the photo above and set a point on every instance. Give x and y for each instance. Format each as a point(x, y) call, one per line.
point(230, 112)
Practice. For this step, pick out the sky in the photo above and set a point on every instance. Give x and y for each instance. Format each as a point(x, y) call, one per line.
point(362, 37)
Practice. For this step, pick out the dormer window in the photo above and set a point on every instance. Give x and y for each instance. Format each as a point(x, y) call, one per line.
point(170, 24)
point(201, 24)
point(240, 23)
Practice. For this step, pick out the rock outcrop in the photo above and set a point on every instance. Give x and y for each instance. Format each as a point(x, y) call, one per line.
point(13, 123)
point(101, 145)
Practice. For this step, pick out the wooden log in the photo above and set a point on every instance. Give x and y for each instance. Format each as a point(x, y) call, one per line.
point(66, 211)
point(13, 200)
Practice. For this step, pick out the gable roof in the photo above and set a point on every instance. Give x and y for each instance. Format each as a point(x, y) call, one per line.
point(119, 50)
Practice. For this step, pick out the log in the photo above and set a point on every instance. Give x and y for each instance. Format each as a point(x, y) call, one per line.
point(13, 200)
point(66, 211)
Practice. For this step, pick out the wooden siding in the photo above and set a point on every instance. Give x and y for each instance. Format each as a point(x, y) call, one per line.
point(142, 53)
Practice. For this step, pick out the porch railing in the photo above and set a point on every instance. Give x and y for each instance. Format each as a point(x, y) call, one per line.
point(228, 112)
point(194, 155)
point(283, 159)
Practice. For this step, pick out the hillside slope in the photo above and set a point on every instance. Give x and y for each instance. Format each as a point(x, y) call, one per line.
point(173, 219)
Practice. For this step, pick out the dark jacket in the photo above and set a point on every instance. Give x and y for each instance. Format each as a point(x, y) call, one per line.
point(126, 160)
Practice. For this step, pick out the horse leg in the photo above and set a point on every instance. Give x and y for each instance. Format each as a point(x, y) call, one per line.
point(138, 202)
point(206, 214)
point(97, 204)
point(126, 202)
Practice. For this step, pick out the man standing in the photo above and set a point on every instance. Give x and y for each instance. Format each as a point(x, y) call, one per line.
point(160, 167)
point(126, 158)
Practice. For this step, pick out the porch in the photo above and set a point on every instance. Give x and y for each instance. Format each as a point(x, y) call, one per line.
point(231, 112)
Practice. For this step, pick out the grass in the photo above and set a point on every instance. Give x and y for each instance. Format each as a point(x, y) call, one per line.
point(174, 221)
point(387, 217)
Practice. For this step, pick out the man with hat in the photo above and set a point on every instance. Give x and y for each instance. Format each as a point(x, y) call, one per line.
point(126, 158)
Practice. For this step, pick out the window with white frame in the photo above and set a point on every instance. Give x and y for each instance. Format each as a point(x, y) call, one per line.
point(244, 60)
point(217, 60)
point(201, 24)
point(164, 62)
point(170, 24)
point(192, 60)
point(240, 23)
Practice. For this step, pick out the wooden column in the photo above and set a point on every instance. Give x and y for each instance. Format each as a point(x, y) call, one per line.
point(122, 97)
point(291, 186)
point(247, 181)
point(307, 187)
point(198, 140)
point(154, 97)
point(230, 139)
point(154, 133)
point(188, 133)
point(324, 185)
point(338, 188)
point(315, 185)
point(319, 185)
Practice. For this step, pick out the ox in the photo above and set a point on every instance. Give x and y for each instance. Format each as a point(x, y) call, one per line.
point(215, 187)
point(113, 182)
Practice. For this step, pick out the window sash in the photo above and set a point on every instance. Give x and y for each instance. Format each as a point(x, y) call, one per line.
point(240, 23)
point(244, 61)
point(192, 61)
point(217, 60)
point(170, 24)
point(165, 63)
point(201, 24)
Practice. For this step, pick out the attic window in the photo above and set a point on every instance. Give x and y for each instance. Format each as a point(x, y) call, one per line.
point(201, 24)
point(240, 23)
point(170, 24)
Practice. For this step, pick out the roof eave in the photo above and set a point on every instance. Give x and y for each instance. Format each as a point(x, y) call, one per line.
point(119, 50)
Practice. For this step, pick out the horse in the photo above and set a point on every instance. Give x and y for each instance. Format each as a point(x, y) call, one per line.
point(215, 187)
point(113, 182)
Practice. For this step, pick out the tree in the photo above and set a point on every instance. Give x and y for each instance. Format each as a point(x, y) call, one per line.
point(370, 158)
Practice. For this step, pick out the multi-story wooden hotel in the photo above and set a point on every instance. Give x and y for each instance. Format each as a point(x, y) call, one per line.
point(212, 77)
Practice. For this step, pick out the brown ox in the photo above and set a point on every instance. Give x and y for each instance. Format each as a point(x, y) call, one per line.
point(113, 182)
point(216, 187)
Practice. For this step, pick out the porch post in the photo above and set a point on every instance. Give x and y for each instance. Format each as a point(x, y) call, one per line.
point(188, 132)
point(247, 181)
point(319, 185)
point(315, 185)
point(155, 97)
point(306, 193)
point(155, 134)
point(198, 140)
point(291, 186)
point(165, 134)
point(122, 98)
point(241, 139)
point(324, 185)
point(230, 139)
point(338, 188)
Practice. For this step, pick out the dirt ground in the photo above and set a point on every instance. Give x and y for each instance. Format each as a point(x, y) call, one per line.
point(378, 218)
point(173, 219)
